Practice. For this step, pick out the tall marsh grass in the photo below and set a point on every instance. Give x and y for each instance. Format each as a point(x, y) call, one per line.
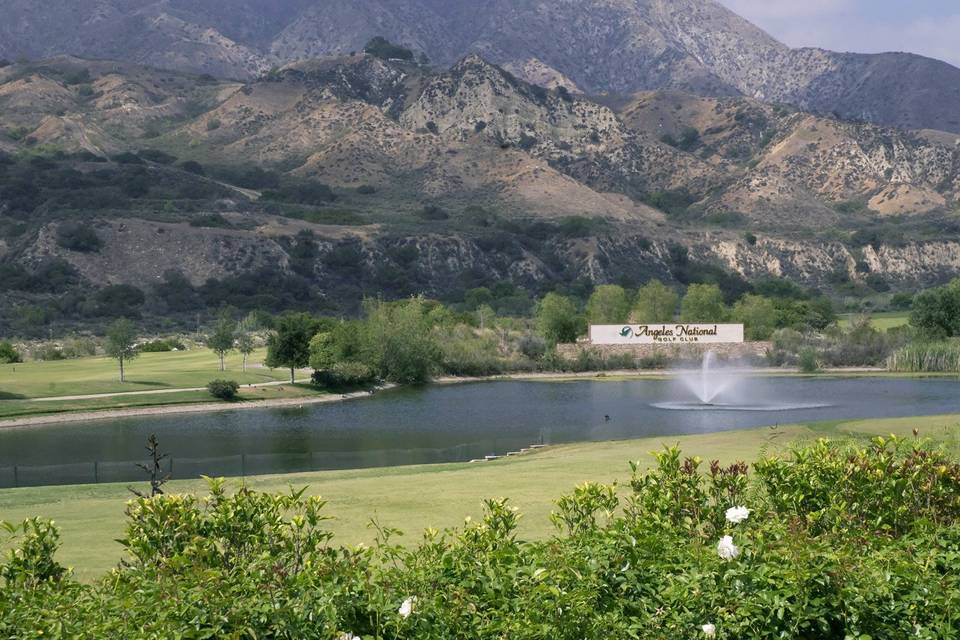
point(930, 357)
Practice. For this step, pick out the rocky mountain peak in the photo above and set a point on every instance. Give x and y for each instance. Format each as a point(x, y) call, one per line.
point(597, 46)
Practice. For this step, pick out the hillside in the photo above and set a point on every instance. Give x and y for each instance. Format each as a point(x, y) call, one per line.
point(342, 177)
point(600, 46)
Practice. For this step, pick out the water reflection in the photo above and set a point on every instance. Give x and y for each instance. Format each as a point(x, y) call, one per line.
point(436, 424)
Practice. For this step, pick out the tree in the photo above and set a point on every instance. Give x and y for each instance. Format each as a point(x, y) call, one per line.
point(121, 343)
point(936, 312)
point(703, 303)
point(221, 339)
point(486, 316)
point(759, 316)
point(609, 304)
point(655, 302)
point(289, 346)
point(399, 341)
point(558, 319)
point(245, 343)
point(8, 355)
point(323, 351)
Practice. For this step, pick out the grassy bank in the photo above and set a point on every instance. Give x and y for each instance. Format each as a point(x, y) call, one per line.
point(413, 498)
point(154, 379)
point(149, 372)
point(883, 321)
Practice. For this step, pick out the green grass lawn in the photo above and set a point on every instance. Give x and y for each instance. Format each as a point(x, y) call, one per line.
point(883, 321)
point(26, 408)
point(84, 376)
point(416, 497)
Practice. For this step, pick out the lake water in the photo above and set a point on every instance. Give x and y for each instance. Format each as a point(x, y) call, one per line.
point(436, 424)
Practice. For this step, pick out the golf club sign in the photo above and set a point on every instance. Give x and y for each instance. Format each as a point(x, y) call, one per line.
point(666, 333)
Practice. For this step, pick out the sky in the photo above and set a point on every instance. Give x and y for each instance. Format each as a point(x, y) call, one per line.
point(927, 27)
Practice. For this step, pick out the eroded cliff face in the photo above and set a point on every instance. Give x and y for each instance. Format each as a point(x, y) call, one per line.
point(438, 264)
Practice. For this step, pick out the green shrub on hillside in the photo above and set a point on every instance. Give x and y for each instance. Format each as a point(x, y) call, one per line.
point(382, 48)
point(78, 236)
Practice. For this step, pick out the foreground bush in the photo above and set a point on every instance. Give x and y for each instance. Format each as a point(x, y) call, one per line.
point(827, 541)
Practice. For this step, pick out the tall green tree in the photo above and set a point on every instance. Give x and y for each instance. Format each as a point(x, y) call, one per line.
point(121, 343)
point(323, 351)
point(558, 319)
point(289, 346)
point(221, 337)
point(655, 302)
point(703, 303)
point(399, 340)
point(759, 316)
point(936, 312)
point(609, 304)
point(245, 344)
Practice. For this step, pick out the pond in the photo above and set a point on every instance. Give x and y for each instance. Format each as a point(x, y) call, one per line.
point(440, 423)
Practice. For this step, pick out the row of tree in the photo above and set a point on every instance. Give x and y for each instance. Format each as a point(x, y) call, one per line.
point(399, 341)
point(560, 318)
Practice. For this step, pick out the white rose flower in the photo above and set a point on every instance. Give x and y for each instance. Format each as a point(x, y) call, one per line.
point(736, 515)
point(726, 549)
point(709, 630)
point(346, 635)
point(407, 607)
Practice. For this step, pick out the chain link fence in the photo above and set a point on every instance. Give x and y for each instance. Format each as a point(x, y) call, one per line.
point(183, 468)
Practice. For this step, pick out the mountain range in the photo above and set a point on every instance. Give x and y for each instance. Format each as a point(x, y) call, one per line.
point(207, 139)
point(594, 46)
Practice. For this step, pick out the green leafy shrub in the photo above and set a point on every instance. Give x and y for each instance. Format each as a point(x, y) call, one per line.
point(808, 361)
point(8, 355)
point(211, 220)
point(306, 192)
point(380, 47)
point(344, 375)
point(162, 346)
point(826, 541)
point(76, 236)
point(433, 212)
point(223, 389)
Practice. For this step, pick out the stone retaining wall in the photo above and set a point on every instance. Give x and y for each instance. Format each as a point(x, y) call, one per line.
point(686, 351)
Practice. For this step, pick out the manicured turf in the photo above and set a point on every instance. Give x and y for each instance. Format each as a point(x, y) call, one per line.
point(21, 383)
point(84, 376)
point(27, 408)
point(883, 321)
point(413, 498)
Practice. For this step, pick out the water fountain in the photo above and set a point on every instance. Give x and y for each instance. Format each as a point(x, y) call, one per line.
point(715, 387)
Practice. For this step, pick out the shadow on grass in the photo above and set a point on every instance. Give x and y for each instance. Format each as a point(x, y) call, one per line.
point(4, 395)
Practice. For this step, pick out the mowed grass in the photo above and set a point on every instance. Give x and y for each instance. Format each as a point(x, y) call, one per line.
point(416, 497)
point(11, 409)
point(151, 371)
point(883, 321)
